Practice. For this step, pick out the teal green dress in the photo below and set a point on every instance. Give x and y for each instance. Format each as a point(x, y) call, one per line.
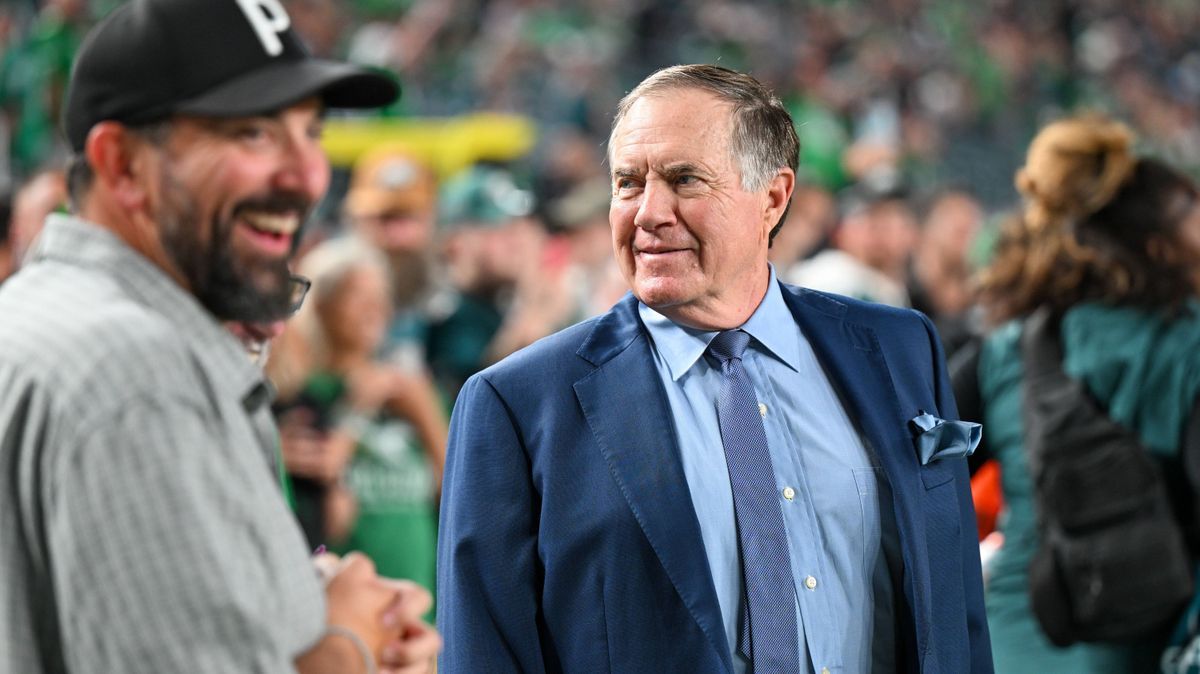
point(1146, 372)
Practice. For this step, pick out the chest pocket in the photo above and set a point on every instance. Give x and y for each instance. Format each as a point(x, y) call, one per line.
point(869, 503)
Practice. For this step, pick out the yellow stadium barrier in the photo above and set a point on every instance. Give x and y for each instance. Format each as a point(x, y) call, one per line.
point(447, 145)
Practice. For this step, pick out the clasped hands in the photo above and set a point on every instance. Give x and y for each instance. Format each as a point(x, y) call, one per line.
point(369, 613)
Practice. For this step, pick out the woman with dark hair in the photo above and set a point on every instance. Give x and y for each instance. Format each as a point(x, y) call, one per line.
point(1110, 243)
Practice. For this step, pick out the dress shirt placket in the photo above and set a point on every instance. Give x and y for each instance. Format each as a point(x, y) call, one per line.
point(817, 647)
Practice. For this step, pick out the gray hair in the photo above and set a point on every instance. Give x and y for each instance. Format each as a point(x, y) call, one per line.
point(763, 138)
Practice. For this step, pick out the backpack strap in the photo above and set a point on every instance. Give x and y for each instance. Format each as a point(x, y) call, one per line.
point(1185, 487)
point(1103, 508)
point(1189, 449)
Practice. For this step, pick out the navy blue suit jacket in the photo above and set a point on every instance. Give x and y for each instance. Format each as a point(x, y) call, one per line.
point(568, 540)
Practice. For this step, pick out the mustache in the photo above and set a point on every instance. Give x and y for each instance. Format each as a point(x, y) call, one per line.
point(276, 202)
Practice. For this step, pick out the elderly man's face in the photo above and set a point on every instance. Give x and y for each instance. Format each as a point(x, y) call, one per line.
point(689, 240)
point(230, 197)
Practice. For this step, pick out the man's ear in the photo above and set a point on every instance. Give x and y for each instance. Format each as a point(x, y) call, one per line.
point(779, 193)
point(121, 162)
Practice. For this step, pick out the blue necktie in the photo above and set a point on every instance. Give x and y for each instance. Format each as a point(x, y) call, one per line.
point(768, 635)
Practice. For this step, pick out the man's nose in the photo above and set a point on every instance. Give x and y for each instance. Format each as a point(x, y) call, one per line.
point(304, 169)
point(657, 207)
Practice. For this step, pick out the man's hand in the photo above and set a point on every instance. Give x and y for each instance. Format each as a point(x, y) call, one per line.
point(356, 601)
point(384, 613)
point(413, 652)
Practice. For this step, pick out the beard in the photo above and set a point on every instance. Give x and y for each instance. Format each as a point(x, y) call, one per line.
point(231, 285)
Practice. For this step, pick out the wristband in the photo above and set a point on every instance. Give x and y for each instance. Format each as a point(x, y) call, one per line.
point(359, 644)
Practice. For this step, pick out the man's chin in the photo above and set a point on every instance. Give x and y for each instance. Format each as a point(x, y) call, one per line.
point(661, 293)
point(261, 294)
point(248, 304)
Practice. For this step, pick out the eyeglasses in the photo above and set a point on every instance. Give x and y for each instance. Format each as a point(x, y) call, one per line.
point(299, 290)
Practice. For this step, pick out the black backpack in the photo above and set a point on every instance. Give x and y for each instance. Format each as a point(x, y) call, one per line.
point(1112, 562)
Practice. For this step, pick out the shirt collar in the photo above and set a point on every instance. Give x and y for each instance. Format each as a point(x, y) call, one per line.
point(80, 243)
point(771, 325)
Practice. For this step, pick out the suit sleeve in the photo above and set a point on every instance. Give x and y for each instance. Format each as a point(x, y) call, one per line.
point(488, 569)
point(977, 629)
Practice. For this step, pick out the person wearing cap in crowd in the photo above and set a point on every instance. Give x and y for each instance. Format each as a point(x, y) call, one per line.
point(591, 277)
point(508, 295)
point(147, 530)
point(392, 203)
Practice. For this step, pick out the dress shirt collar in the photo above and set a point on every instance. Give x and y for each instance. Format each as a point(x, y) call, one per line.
point(80, 243)
point(771, 325)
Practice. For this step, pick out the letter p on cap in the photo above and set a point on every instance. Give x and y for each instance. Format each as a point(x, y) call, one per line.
point(268, 19)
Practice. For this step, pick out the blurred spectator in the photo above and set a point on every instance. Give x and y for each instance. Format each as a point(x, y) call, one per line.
point(883, 93)
point(1111, 243)
point(392, 203)
point(510, 284)
point(581, 215)
point(872, 245)
point(42, 195)
point(939, 280)
point(388, 424)
point(33, 78)
point(809, 226)
point(320, 23)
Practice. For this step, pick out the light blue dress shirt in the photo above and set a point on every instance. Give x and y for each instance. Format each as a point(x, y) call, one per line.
point(836, 502)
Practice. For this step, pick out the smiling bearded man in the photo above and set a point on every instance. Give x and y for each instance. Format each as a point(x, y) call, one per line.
point(145, 530)
point(235, 259)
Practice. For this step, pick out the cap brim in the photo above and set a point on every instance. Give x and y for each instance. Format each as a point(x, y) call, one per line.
point(339, 85)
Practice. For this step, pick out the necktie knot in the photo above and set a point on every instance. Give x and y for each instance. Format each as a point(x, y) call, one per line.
point(729, 345)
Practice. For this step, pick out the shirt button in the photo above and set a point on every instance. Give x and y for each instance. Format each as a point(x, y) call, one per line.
point(762, 409)
point(824, 670)
point(810, 583)
point(789, 493)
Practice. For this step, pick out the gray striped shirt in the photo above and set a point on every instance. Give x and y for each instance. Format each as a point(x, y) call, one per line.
point(141, 524)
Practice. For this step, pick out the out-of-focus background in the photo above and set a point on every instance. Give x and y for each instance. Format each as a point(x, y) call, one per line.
point(470, 218)
point(921, 92)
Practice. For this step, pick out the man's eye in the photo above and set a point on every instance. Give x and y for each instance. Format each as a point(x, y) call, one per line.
point(686, 179)
point(625, 183)
point(251, 132)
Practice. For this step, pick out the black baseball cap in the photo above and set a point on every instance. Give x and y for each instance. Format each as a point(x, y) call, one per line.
point(150, 59)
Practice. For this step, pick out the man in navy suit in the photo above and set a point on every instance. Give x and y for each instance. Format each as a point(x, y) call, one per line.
point(723, 473)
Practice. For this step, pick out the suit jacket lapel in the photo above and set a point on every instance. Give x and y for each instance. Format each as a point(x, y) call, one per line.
point(631, 419)
point(852, 359)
